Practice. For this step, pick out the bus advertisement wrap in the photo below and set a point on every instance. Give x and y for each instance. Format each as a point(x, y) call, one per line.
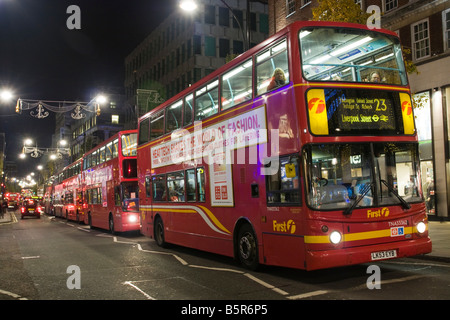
point(246, 129)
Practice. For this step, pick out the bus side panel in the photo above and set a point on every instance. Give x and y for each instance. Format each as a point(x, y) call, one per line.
point(196, 236)
point(284, 250)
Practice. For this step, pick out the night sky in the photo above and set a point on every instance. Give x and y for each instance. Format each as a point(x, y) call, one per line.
point(41, 59)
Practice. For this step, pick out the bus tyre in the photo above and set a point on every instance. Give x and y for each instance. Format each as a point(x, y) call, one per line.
point(247, 247)
point(159, 233)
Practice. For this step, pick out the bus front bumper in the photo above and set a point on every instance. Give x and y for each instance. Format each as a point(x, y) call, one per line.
point(366, 254)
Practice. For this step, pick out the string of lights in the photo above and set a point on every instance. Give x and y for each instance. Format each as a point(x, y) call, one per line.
point(40, 108)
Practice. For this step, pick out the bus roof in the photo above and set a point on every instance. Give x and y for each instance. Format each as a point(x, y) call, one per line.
point(104, 143)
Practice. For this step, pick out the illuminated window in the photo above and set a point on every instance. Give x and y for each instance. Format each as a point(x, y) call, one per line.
point(115, 119)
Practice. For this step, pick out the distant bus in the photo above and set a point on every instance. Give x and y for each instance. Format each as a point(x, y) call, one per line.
point(26, 193)
point(58, 196)
point(48, 200)
point(73, 205)
point(13, 199)
point(110, 184)
point(301, 152)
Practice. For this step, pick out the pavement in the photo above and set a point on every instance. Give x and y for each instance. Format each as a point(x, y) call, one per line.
point(439, 232)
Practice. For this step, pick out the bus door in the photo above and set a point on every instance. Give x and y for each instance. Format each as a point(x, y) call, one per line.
point(282, 230)
point(145, 206)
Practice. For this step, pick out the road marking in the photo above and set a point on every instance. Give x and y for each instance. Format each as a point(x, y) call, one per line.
point(216, 269)
point(418, 264)
point(129, 283)
point(185, 263)
point(11, 294)
point(84, 229)
point(401, 279)
point(265, 284)
point(308, 294)
point(31, 257)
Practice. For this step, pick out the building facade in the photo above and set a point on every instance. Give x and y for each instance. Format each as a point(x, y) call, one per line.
point(188, 46)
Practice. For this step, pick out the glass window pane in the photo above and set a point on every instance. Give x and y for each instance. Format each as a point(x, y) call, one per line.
point(272, 69)
point(157, 125)
point(188, 109)
point(173, 116)
point(190, 187)
point(201, 184)
point(206, 101)
point(337, 54)
point(129, 145)
point(144, 127)
point(210, 46)
point(159, 188)
point(237, 85)
point(175, 185)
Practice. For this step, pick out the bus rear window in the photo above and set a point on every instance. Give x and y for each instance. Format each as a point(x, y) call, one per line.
point(129, 168)
point(352, 55)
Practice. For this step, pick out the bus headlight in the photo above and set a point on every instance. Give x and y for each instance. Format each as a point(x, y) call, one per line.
point(421, 227)
point(132, 218)
point(335, 237)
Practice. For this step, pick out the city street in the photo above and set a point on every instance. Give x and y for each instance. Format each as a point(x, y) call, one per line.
point(190, 158)
point(52, 259)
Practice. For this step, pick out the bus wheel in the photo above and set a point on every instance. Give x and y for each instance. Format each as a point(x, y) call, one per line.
point(159, 233)
point(111, 224)
point(248, 248)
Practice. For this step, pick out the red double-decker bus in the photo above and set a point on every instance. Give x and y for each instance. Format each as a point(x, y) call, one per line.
point(58, 196)
point(73, 205)
point(302, 152)
point(110, 184)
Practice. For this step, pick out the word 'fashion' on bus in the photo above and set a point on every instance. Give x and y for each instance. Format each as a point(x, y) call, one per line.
point(219, 143)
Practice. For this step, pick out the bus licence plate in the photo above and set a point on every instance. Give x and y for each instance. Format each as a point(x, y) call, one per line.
point(383, 254)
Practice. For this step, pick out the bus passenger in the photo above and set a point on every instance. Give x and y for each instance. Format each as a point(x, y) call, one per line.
point(375, 77)
point(278, 79)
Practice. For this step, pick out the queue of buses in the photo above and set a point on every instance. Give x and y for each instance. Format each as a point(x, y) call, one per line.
point(293, 154)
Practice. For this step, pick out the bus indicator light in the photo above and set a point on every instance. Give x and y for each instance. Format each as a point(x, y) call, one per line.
point(318, 120)
point(407, 114)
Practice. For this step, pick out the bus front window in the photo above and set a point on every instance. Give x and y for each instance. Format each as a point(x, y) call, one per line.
point(352, 55)
point(129, 144)
point(130, 201)
point(348, 176)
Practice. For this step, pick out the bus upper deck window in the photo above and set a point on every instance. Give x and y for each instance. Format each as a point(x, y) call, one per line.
point(272, 63)
point(351, 55)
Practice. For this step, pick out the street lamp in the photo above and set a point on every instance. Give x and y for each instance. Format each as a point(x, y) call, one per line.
point(6, 95)
point(188, 5)
point(191, 5)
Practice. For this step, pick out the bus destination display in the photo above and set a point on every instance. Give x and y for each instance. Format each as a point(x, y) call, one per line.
point(360, 110)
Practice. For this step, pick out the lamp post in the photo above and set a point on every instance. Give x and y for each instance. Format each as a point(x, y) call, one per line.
point(191, 5)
